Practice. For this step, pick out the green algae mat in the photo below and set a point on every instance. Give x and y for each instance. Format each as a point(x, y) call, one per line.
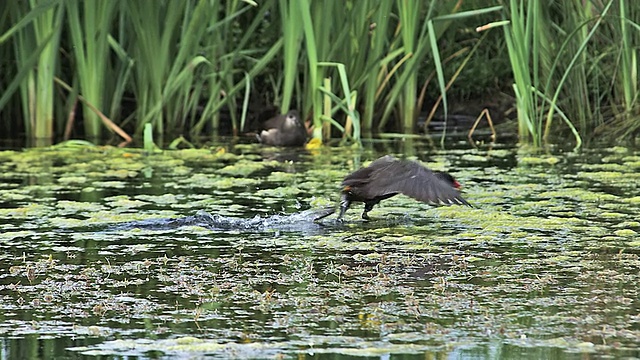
point(117, 253)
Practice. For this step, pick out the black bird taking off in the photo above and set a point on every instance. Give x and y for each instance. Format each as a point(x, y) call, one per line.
point(388, 176)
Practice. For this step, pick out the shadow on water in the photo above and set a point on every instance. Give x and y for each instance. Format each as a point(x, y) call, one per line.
point(98, 260)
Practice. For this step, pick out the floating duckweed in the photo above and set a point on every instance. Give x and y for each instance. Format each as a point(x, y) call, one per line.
point(187, 340)
point(632, 165)
point(11, 235)
point(618, 149)
point(499, 153)
point(159, 199)
point(519, 234)
point(625, 232)
point(611, 168)
point(627, 224)
point(473, 259)
point(287, 191)
point(601, 175)
point(528, 160)
point(72, 180)
point(126, 203)
point(633, 200)
point(612, 215)
point(321, 202)
point(76, 206)
point(8, 196)
point(226, 183)
point(474, 158)
point(279, 176)
point(110, 184)
point(411, 280)
point(244, 168)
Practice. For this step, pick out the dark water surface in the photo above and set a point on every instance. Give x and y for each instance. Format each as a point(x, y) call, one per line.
point(98, 261)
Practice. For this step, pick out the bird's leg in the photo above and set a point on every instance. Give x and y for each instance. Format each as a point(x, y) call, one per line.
point(344, 205)
point(324, 213)
point(368, 206)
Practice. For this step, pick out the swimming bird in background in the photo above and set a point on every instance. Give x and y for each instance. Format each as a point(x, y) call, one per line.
point(284, 130)
point(388, 176)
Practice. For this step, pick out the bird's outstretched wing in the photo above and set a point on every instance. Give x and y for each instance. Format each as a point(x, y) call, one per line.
point(363, 175)
point(413, 180)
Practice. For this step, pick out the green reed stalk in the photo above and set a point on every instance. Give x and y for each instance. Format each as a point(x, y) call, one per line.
point(165, 60)
point(434, 34)
point(578, 54)
point(628, 78)
point(348, 105)
point(224, 52)
point(378, 47)
point(36, 43)
point(292, 35)
point(439, 75)
point(89, 35)
point(314, 97)
point(523, 57)
point(122, 71)
point(409, 13)
point(416, 43)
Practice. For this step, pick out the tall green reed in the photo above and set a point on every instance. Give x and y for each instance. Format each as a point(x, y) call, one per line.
point(627, 114)
point(226, 50)
point(525, 46)
point(553, 67)
point(90, 23)
point(165, 58)
point(292, 35)
point(36, 36)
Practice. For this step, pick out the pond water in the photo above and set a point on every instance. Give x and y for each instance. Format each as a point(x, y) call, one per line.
point(105, 254)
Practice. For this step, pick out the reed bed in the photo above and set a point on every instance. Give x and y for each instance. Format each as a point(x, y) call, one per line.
point(90, 69)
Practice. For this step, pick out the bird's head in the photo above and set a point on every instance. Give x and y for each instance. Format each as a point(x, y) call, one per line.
point(448, 179)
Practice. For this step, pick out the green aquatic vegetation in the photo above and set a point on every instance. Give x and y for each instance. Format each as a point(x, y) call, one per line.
point(634, 165)
point(627, 224)
point(245, 167)
point(13, 196)
point(474, 158)
point(608, 169)
point(279, 176)
point(631, 158)
point(9, 235)
point(73, 207)
point(608, 176)
point(499, 153)
point(617, 150)
point(540, 247)
point(612, 215)
point(206, 156)
point(531, 161)
point(632, 200)
point(208, 181)
point(69, 180)
point(625, 233)
point(579, 194)
point(165, 199)
point(286, 192)
point(124, 202)
point(30, 210)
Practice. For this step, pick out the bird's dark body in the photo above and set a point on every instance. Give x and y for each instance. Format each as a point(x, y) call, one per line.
point(284, 130)
point(388, 176)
